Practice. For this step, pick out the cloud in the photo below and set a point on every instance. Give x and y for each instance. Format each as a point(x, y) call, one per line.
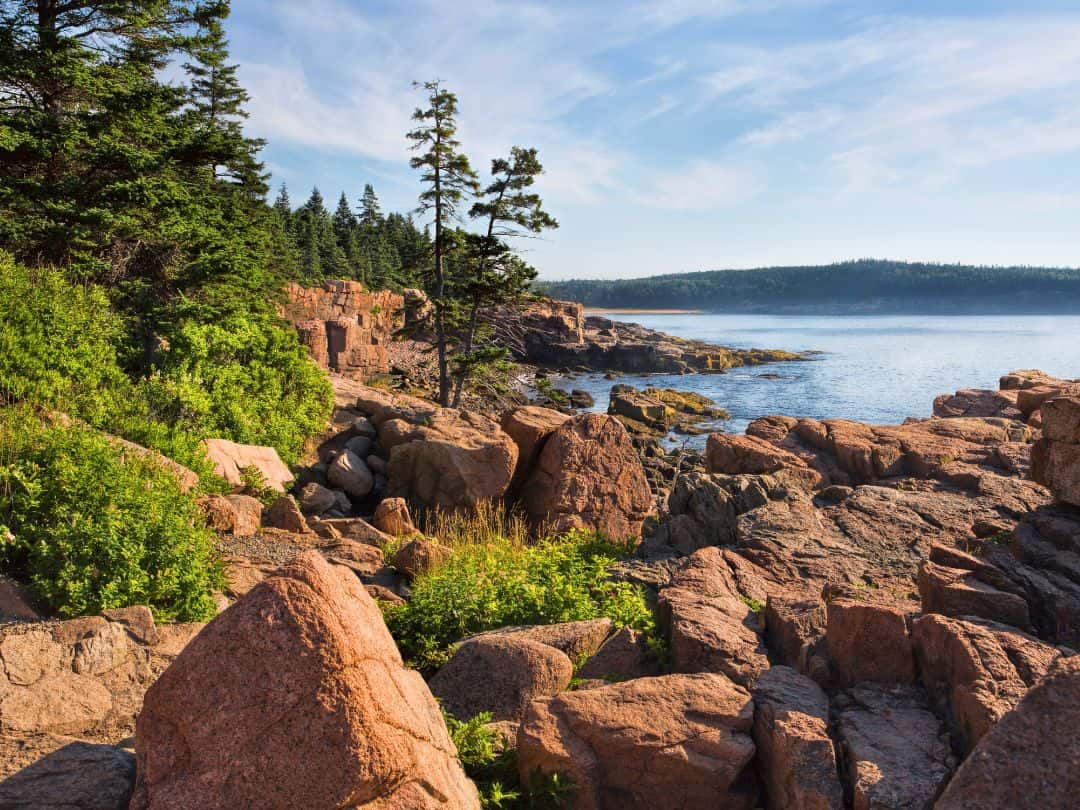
point(699, 185)
point(904, 93)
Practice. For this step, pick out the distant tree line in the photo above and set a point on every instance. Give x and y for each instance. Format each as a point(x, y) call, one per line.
point(379, 250)
point(865, 284)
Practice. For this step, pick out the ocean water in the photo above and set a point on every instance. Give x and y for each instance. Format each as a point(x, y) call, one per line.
point(878, 369)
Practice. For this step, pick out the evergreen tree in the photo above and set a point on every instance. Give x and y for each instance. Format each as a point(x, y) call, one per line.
point(495, 276)
point(283, 208)
point(217, 101)
point(346, 233)
point(449, 180)
point(320, 256)
point(370, 214)
point(88, 176)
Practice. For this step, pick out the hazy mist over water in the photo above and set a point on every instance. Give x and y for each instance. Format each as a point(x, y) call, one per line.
point(879, 369)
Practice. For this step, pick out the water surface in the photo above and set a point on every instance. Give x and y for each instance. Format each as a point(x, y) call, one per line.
point(879, 369)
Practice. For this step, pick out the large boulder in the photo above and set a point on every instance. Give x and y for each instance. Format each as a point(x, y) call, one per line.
point(296, 696)
point(868, 640)
point(795, 754)
point(350, 473)
point(579, 640)
point(960, 592)
point(83, 677)
point(231, 459)
point(1056, 456)
point(501, 675)
point(736, 455)
point(665, 743)
point(529, 426)
point(978, 670)
point(712, 634)
point(589, 476)
point(1031, 758)
point(453, 460)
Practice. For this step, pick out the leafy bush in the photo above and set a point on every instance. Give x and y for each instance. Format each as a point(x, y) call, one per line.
point(493, 768)
point(58, 344)
point(245, 378)
point(94, 526)
point(482, 587)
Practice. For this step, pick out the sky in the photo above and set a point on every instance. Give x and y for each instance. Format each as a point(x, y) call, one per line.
point(694, 135)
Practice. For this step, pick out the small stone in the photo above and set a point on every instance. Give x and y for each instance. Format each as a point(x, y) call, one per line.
point(392, 516)
point(349, 472)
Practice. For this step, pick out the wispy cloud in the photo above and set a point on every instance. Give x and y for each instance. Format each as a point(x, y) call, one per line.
point(678, 108)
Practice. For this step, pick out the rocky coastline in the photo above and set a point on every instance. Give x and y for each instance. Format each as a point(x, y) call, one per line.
point(852, 616)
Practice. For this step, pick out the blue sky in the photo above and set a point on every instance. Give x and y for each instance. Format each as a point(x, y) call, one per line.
point(691, 135)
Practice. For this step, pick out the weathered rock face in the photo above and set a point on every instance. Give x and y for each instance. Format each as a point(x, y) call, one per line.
point(869, 641)
point(622, 657)
point(230, 458)
point(84, 676)
point(715, 633)
point(675, 741)
point(1031, 758)
point(589, 476)
point(978, 402)
point(454, 460)
point(529, 426)
point(795, 629)
point(345, 327)
point(1042, 563)
point(734, 455)
point(896, 751)
point(557, 333)
point(795, 756)
point(296, 697)
point(1056, 456)
point(49, 772)
point(978, 670)
point(500, 674)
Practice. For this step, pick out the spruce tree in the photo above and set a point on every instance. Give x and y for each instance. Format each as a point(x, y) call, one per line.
point(283, 208)
point(345, 232)
point(370, 214)
point(87, 170)
point(449, 181)
point(217, 100)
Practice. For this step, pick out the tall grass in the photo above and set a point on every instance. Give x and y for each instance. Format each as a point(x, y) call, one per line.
point(487, 524)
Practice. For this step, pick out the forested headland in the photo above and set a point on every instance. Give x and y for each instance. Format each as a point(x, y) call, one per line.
point(863, 286)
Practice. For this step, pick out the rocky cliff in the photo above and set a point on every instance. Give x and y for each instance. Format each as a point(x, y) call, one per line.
point(345, 326)
point(559, 334)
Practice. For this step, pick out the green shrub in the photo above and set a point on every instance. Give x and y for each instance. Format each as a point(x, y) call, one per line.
point(482, 587)
point(494, 769)
point(94, 526)
point(245, 378)
point(58, 344)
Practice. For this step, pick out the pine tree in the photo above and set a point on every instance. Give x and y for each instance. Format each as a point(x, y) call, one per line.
point(217, 101)
point(283, 208)
point(495, 276)
point(87, 172)
point(370, 214)
point(449, 180)
point(346, 233)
